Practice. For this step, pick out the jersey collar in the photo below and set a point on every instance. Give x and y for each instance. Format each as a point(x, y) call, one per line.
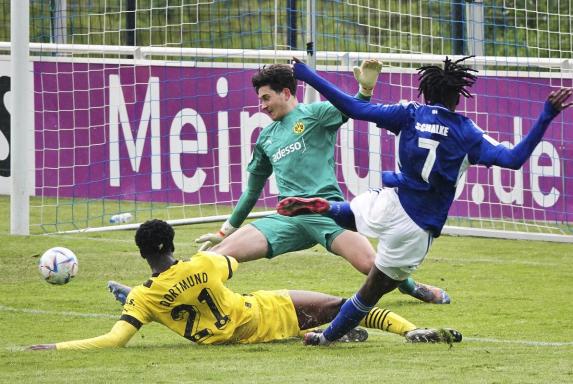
point(158, 273)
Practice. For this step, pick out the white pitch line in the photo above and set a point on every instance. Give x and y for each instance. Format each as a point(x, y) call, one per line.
point(492, 340)
point(522, 342)
point(191, 244)
point(58, 313)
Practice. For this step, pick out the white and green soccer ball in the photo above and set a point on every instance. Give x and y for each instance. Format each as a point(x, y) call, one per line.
point(58, 265)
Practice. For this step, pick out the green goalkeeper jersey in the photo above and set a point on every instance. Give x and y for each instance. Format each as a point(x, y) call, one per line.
point(300, 150)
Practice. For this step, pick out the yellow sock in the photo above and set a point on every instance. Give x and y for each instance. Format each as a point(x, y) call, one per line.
point(387, 320)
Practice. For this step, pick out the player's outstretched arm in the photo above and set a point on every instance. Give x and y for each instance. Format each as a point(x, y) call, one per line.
point(492, 153)
point(350, 106)
point(119, 335)
point(247, 201)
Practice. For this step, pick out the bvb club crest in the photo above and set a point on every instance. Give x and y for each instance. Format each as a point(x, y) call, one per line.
point(298, 127)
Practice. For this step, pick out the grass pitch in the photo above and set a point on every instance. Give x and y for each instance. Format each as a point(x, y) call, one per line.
point(510, 299)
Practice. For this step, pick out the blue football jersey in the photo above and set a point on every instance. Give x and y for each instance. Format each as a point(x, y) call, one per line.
point(433, 144)
point(435, 147)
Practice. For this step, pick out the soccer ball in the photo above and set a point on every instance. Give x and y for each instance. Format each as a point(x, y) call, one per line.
point(58, 265)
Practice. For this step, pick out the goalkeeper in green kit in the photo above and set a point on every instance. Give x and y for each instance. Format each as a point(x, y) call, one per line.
point(299, 147)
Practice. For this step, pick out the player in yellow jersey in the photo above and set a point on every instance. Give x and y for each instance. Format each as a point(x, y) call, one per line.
point(191, 299)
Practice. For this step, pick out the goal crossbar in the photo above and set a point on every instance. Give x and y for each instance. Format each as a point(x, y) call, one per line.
point(344, 57)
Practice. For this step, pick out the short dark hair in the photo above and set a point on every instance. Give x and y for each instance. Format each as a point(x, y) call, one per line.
point(277, 77)
point(446, 85)
point(155, 237)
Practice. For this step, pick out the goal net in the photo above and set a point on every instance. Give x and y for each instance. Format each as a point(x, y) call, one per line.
point(147, 108)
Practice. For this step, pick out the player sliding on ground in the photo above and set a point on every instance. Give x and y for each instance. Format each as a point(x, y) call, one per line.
point(299, 146)
point(436, 145)
point(191, 299)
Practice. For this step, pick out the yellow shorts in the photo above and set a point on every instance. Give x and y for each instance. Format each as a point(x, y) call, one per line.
point(275, 318)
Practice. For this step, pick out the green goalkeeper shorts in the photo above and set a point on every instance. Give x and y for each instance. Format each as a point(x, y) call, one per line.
point(288, 234)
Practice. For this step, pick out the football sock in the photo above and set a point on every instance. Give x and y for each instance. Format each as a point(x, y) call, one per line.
point(407, 286)
point(341, 213)
point(387, 320)
point(351, 312)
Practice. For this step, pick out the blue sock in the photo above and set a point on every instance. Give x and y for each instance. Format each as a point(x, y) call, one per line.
point(341, 213)
point(350, 315)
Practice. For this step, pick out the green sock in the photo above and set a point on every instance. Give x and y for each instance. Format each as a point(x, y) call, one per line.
point(407, 286)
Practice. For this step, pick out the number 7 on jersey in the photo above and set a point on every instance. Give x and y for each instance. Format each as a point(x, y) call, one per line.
point(431, 146)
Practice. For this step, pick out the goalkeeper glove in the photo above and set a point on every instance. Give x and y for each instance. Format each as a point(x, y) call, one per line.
point(367, 75)
point(211, 239)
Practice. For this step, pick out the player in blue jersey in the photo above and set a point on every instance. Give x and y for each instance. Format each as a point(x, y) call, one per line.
point(435, 146)
point(298, 147)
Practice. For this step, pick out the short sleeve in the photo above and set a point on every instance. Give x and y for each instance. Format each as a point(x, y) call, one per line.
point(135, 307)
point(225, 265)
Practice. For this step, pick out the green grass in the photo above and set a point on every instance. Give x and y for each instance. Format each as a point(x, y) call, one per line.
point(511, 300)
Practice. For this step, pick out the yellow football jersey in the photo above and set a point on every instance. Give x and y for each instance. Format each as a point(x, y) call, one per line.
point(191, 299)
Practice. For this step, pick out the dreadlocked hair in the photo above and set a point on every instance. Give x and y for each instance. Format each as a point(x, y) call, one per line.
point(155, 237)
point(445, 85)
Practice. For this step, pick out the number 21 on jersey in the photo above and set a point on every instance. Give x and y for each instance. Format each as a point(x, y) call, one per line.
point(194, 315)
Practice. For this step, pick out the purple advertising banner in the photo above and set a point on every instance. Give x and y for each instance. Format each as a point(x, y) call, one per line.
point(184, 135)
